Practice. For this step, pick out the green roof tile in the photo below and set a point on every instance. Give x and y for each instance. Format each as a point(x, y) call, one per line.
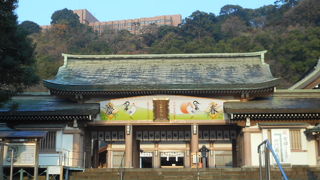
point(164, 72)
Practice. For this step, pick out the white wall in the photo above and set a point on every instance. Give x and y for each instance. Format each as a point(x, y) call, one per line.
point(307, 155)
point(48, 159)
point(64, 149)
point(312, 154)
point(67, 149)
point(256, 139)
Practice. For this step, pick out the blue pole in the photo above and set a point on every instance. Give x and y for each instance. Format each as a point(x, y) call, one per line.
point(269, 146)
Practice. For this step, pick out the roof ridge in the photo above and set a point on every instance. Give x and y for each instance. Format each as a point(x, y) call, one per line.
point(318, 65)
point(260, 54)
point(142, 56)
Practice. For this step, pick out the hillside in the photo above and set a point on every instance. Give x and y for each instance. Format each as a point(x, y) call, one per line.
point(288, 29)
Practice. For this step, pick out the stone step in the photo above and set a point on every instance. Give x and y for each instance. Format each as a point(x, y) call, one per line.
point(294, 173)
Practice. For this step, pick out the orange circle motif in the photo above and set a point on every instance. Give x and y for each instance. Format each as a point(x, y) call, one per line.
point(184, 108)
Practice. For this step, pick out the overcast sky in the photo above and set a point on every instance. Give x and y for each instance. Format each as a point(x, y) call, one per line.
point(40, 11)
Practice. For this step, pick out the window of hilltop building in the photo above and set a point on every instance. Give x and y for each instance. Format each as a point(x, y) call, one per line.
point(48, 144)
point(161, 109)
point(295, 139)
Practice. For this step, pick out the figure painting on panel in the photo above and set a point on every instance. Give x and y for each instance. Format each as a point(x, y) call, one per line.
point(111, 111)
point(130, 109)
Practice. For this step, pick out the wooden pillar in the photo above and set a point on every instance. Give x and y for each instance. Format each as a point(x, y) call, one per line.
point(194, 142)
point(246, 147)
point(76, 154)
point(87, 146)
point(1, 159)
point(194, 138)
point(135, 152)
point(187, 158)
point(234, 153)
point(128, 146)
point(109, 152)
point(36, 161)
point(211, 159)
point(156, 157)
point(95, 153)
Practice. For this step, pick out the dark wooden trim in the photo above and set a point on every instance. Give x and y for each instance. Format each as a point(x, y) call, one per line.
point(238, 93)
point(275, 116)
point(45, 117)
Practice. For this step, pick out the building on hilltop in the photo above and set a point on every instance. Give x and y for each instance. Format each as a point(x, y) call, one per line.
point(134, 26)
point(85, 16)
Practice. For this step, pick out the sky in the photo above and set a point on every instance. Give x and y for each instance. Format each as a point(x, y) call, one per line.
point(40, 11)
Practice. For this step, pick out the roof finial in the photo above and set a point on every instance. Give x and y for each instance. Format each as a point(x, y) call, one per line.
point(318, 64)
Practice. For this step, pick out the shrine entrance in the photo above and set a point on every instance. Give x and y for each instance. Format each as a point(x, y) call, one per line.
point(172, 159)
point(146, 159)
point(163, 146)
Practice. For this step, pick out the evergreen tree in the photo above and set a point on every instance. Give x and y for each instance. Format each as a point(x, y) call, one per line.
point(65, 16)
point(29, 27)
point(16, 54)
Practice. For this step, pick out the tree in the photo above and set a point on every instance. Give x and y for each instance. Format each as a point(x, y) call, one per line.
point(16, 54)
point(307, 13)
point(29, 27)
point(171, 43)
point(287, 3)
point(230, 10)
point(65, 16)
point(233, 26)
point(149, 33)
point(198, 25)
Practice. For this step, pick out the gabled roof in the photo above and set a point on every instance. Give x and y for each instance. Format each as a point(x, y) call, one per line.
point(309, 81)
point(22, 134)
point(8, 133)
point(275, 105)
point(158, 72)
point(280, 106)
point(39, 107)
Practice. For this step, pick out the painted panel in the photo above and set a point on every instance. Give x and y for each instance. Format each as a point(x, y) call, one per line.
point(138, 108)
point(180, 108)
point(194, 108)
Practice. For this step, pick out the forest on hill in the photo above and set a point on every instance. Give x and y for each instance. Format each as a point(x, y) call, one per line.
point(288, 29)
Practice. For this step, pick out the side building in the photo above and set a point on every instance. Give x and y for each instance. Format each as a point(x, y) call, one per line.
point(158, 111)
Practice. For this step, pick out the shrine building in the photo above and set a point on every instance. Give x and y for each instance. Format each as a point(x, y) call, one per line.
point(157, 111)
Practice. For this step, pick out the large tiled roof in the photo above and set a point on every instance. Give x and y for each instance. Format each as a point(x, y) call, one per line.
point(237, 71)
